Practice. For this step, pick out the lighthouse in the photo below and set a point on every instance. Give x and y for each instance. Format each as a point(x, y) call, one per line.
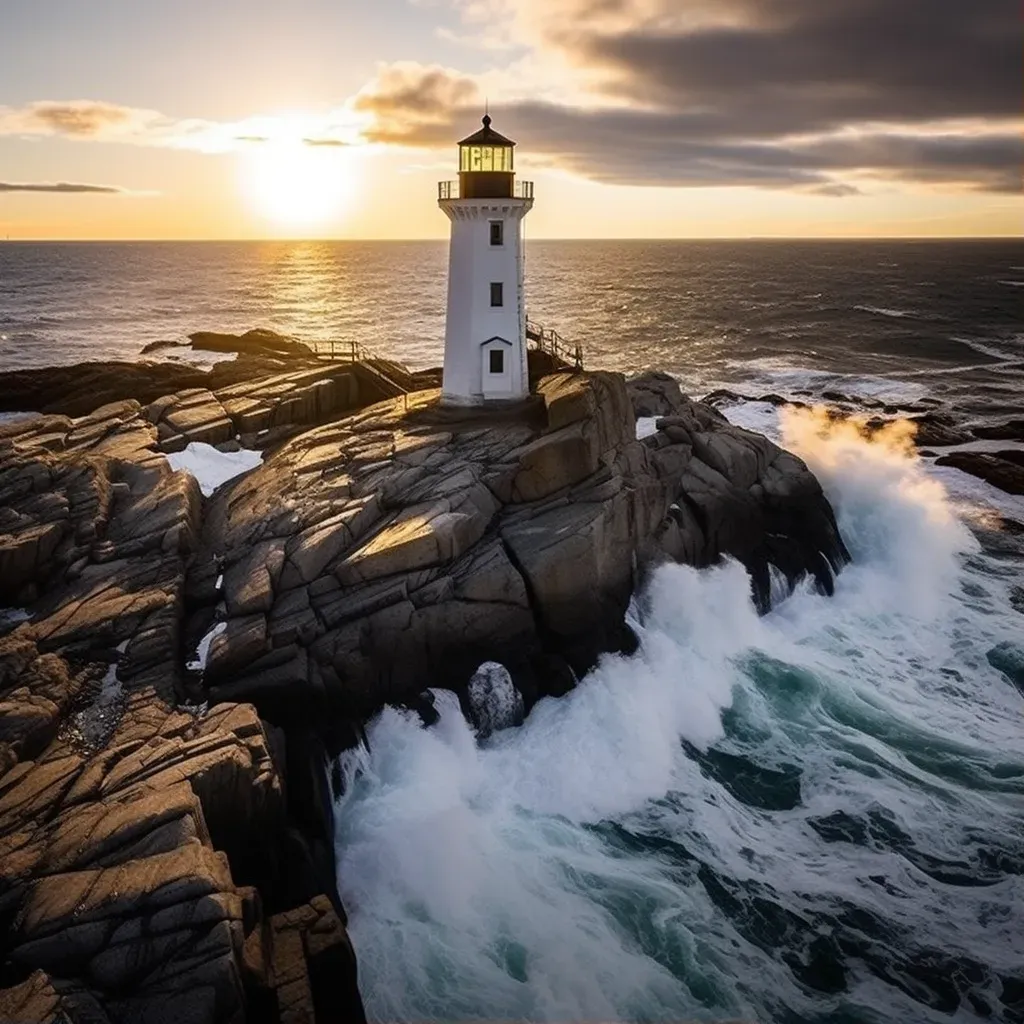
point(485, 325)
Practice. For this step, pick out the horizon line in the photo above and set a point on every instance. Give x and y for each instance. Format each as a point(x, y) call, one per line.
point(567, 238)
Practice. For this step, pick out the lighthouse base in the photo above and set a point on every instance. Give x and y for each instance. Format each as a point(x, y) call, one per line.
point(481, 401)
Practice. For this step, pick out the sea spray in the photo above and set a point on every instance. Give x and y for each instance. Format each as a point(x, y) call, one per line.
point(804, 817)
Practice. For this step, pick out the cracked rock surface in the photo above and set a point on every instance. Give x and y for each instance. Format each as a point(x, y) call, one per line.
point(175, 671)
point(402, 546)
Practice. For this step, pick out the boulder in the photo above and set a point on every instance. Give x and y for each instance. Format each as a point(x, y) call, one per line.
point(1004, 470)
point(655, 394)
point(1011, 430)
point(937, 430)
point(259, 340)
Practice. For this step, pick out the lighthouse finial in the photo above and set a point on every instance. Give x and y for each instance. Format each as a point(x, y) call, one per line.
point(487, 112)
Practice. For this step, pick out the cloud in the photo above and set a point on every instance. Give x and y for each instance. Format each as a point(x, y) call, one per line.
point(408, 101)
point(63, 187)
point(804, 94)
point(802, 65)
point(628, 146)
point(79, 118)
point(828, 97)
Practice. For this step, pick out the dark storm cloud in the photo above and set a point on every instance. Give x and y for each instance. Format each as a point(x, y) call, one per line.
point(808, 65)
point(779, 93)
point(63, 187)
point(630, 147)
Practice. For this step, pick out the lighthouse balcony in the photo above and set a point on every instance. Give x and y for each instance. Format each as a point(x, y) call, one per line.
point(480, 189)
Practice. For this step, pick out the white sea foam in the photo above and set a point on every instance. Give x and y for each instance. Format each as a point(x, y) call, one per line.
point(775, 374)
point(212, 467)
point(884, 311)
point(198, 663)
point(762, 417)
point(552, 874)
point(645, 426)
point(16, 417)
point(12, 617)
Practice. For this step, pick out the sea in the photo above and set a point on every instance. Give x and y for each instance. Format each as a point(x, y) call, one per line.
point(815, 815)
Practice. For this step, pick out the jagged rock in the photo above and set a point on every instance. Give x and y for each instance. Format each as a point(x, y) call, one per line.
point(388, 550)
point(111, 879)
point(655, 394)
point(78, 390)
point(1011, 430)
point(194, 415)
point(936, 430)
point(419, 543)
point(1001, 469)
point(260, 340)
point(1008, 658)
point(123, 819)
point(37, 1001)
point(494, 702)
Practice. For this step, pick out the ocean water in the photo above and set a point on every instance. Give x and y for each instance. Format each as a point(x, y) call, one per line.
point(903, 317)
point(813, 816)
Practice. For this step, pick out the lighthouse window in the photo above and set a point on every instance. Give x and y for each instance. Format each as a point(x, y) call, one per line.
point(497, 293)
point(486, 158)
point(496, 360)
point(497, 232)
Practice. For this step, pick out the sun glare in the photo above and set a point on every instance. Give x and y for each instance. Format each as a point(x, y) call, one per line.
point(297, 184)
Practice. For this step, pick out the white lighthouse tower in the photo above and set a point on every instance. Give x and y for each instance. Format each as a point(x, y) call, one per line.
point(485, 328)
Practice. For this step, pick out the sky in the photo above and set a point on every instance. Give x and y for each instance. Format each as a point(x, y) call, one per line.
point(634, 118)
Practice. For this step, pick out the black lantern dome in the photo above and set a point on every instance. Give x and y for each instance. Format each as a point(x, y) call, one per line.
point(486, 164)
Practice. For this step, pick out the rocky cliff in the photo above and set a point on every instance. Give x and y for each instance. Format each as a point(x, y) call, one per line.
point(179, 668)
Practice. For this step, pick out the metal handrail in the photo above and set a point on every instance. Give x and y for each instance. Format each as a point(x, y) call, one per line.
point(450, 190)
point(340, 351)
point(548, 340)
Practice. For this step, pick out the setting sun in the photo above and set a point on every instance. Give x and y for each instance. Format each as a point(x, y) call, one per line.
point(297, 184)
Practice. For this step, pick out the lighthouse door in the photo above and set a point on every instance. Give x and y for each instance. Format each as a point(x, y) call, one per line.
point(496, 368)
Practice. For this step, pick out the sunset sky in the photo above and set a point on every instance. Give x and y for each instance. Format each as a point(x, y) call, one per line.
point(635, 118)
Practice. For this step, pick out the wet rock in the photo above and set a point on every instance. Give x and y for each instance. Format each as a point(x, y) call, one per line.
point(937, 430)
point(1008, 658)
point(260, 341)
point(494, 703)
point(1011, 430)
point(1005, 473)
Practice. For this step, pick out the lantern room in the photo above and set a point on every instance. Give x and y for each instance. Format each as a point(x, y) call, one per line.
point(486, 165)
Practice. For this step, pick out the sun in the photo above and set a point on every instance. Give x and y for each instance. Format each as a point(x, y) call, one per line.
point(296, 184)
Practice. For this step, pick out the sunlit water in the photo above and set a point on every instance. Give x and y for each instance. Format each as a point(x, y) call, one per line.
point(811, 816)
point(909, 318)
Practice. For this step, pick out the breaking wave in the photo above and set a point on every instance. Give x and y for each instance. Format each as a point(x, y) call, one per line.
point(810, 816)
